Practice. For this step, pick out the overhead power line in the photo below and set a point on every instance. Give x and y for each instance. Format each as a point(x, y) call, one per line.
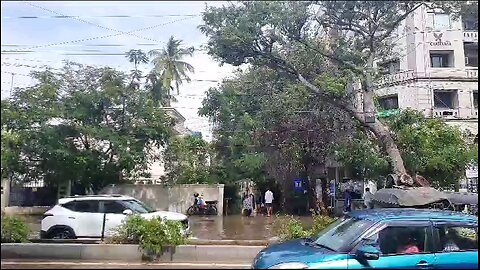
point(91, 23)
point(98, 37)
point(116, 16)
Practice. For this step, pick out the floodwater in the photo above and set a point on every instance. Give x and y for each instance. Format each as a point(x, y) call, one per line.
point(234, 227)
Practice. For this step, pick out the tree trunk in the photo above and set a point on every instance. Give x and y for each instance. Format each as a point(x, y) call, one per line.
point(378, 128)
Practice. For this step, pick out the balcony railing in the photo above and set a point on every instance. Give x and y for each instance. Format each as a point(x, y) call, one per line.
point(404, 76)
point(472, 73)
point(445, 113)
point(470, 36)
point(396, 78)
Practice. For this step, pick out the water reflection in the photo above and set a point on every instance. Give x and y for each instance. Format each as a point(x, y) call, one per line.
point(235, 227)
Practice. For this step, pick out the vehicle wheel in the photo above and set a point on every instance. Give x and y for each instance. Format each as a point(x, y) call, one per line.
point(191, 210)
point(62, 233)
point(212, 210)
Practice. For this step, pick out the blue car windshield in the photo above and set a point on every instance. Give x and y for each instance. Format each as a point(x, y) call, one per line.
point(342, 232)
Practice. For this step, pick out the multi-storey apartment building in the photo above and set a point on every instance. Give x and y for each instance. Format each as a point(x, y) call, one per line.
point(436, 70)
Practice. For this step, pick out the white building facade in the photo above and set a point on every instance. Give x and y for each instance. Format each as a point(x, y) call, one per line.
point(436, 71)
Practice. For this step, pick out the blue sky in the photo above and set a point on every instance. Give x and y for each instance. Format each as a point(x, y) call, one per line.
point(165, 18)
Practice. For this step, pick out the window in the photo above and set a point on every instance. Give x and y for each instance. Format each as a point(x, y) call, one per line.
point(470, 24)
point(441, 59)
point(389, 103)
point(445, 99)
point(456, 238)
point(402, 240)
point(82, 206)
point(441, 22)
point(475, 99)
point(342, 233)
point(471, 54)
point(113, 207)
point(137, 206)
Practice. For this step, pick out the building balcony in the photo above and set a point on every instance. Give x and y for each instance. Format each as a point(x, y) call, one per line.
point(446, 113)
point(470, 36)
point(472, 73)
point(469, 73)
point(399, 77)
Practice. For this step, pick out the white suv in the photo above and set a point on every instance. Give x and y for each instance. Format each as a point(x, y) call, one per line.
point(96, 215)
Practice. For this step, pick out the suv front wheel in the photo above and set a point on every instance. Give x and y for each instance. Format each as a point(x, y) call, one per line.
point(62, 233)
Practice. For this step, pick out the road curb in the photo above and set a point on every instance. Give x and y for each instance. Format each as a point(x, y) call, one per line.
point(129, 253)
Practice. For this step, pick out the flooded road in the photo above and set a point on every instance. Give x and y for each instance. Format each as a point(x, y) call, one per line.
point(235, 227)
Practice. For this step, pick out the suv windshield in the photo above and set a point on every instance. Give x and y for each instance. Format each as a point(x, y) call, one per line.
point(342, 232)
point(137, 206)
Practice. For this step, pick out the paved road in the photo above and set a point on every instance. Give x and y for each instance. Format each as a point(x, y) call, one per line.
point(22, 264)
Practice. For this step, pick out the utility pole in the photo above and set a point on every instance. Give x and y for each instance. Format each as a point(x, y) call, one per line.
point(11, 86)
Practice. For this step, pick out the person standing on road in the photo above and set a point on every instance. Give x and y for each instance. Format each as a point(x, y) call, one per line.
point(248, 205)
point(268, 202)
point(258, 203)
point(348, 200)
point(367, 199)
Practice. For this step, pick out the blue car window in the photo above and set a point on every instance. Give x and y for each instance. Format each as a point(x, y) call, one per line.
point(457, 238)
point(342, 232)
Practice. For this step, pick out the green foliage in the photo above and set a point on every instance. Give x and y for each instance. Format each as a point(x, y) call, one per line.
point(432, 148)
point(83, 124)
point(169, 66)
point(152, 235)
point(289, 227)
point(186, 160)
point(14, 230)
point(129, 232)
point(320, 223)
point(362, 156)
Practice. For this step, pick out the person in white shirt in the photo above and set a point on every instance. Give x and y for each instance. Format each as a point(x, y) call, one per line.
point(268, 202)
point(367, 198)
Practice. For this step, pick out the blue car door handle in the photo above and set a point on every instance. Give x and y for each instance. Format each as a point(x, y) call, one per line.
point(423, 264)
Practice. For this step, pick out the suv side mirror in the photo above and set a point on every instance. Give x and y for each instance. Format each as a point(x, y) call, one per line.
point(368, 252)
point(127, 212)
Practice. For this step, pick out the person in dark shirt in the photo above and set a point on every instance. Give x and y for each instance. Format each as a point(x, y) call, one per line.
point(347, 196)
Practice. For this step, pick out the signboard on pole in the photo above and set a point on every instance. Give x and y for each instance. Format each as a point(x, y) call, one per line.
point(298, 185)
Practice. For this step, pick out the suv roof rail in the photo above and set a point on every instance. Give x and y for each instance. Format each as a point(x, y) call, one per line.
point(98, 195)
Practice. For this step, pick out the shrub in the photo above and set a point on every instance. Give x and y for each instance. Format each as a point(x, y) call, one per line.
point(14, 230)
point(320, 223)
point(288, 227)
point(152, 235)
point(129, 232)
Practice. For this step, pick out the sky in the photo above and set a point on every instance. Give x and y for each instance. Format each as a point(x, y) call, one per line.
point(96, 36)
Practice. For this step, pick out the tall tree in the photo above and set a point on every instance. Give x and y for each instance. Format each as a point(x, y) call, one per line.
point(169, 64)
point(296, 38)
point(267, 127)
point(136, 57)
point(187, 160)
point(75, 126)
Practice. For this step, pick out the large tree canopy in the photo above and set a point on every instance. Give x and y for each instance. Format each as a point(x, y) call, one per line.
point(267, 127)
point(309, 40)
point(187, 160)
point(85, 125)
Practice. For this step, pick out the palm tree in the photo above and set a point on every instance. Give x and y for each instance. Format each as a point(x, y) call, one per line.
point(136, 57)
point(168, 63)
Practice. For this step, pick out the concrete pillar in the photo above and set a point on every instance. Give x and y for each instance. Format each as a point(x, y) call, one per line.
point(5, 193)
point(220, 188)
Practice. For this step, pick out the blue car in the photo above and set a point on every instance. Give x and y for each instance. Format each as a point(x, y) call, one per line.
point(383, 238)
